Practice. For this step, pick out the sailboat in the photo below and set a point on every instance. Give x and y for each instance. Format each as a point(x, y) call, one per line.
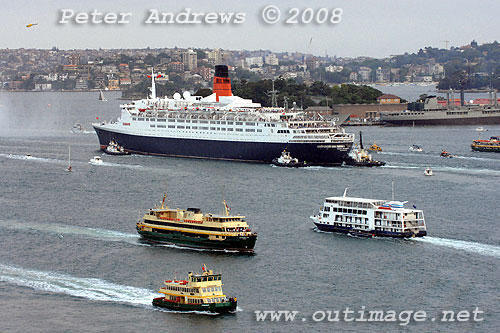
point(101, 96)
point(69, 168)
point(414, 147)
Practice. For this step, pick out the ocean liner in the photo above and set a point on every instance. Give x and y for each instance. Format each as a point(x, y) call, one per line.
point(223, 126)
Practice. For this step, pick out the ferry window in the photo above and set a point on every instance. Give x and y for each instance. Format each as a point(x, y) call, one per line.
point(171, 126)
point(212, 128)
point(222, 129)
point(188, 121)
point(147, 119)
point(152, 125)
point(229, 129)
point(180, 121)
point(239, 123)
point(140, 119)
point(171, 120)
point(249, 130)
point(212, 122)
point(162, 120)
point(229, 122)
point(195, 127)
point(273, 125)
point(182, 127)
point(188, 127)
point(203, 122)
point(239, 130)
point(204, 128)
point(250, 124)
point(194, 121)
point(259, 130)
point(223, 123)
point(134, 118)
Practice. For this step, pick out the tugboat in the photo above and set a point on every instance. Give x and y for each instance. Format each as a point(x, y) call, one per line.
point(200, 292)
point(286, 160)
point(96, 160)
point(491, 145)
point(114, 149)
point(374, 147)
point(360, 157)
point(192, 228)
point(428, 171)
point(369, 217)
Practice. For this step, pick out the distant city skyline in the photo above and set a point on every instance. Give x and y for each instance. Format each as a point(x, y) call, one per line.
point(374, 29)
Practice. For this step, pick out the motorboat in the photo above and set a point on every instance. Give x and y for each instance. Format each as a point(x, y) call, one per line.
point(428, 172)
point(286, 160)
point(96, 160)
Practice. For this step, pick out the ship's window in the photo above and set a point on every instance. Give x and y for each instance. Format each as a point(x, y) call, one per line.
point(171, 120)
point(140, 119)
point(249, 130)
point(194, 121)
point(203, 122)
point(239, 130)
point(222, 129)
point(239, 123)
point(223, 123)
point(147, 119)
point(229, 129)
point(195, 127)
point(180, 121)
point(229, 122)
point(134, 118)
point(188, 127)
point(212, 128)
point(250, 124)
point(181, 127)
point(152, 125)
point(204, 128)
point(171, 126)
point(259, 130)
point(162, 120)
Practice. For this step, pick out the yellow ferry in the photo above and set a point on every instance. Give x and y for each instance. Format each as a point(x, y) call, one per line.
point(191, 228)
point(200, 292)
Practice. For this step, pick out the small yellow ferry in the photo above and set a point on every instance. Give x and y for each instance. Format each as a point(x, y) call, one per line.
point(191, 228)
point(200, 292)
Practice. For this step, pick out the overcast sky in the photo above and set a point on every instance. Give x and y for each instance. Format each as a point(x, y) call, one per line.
point(367, 28)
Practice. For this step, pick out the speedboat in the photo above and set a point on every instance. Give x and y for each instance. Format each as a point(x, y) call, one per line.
point(286, 160)
point(77, 128)
point(481, 129)
point(444, 153)
point(374, 147)
point(416, 148)
point(96, 160)
point(428, 172)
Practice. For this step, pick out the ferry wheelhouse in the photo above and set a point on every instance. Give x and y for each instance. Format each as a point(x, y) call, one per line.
point(191, 228)
point(200, 292)
point(223, 126)
point(370, 217)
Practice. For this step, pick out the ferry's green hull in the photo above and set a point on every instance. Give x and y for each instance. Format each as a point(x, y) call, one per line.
point(237, 243)
point(223, 307)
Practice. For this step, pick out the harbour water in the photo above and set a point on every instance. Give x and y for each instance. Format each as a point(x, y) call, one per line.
point(71, 260)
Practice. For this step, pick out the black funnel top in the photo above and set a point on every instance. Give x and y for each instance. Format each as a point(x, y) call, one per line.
point(221, 71)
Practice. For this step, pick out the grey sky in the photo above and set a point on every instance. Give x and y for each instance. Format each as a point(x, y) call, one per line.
point(368, 28)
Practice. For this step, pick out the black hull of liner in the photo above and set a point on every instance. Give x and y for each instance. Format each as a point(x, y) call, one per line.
point(262, 152)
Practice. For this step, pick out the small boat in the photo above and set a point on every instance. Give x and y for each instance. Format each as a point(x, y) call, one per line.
point(114, 148)
point(428, 171)
point(286, 160)
point(69, 168)
point(77, 128)
point(96, 160)
point(200, 292)
point(374, 147)
point(444, 153)
point(416, 148)
point(28, 156)
point(360, 157)
point(101, 96)
point(481, 129)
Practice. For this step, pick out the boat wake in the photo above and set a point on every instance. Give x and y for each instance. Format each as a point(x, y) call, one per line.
point(63, 229)
point(89, 288)
point(31, 158)
point(442, 168)
point(108, 164)
point(472, 247)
